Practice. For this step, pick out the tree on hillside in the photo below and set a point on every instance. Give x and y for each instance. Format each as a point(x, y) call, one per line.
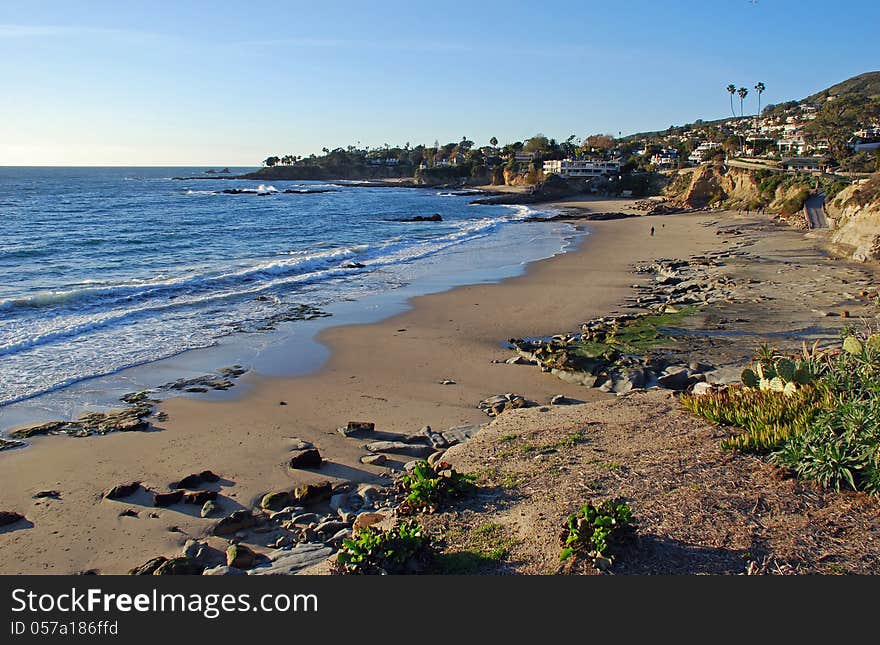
point(600, 141)
point(743, 93)
point(836, 120)
point(759, 88)
point(271, 161)
point(732, 89)
point(493, 142)
point(537, 144)
point(569, 146)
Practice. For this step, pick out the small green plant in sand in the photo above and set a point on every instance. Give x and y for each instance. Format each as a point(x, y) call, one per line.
point(573, 439)
point(595, 531)
point(427, 487)
point(479, 549)
point(818, 415)
point(402, 549)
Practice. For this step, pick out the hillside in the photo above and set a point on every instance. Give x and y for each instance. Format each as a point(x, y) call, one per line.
point(738, 188)
point(866, 86)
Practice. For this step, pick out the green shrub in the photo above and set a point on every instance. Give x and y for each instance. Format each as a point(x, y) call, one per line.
point(595, 531)
point(826, 429)
point(427, 487)
point(402, 549)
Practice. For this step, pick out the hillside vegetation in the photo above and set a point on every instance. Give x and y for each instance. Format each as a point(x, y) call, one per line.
point(737, 188)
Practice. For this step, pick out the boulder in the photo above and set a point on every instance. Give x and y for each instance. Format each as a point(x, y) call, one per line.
point(308, 458)
point(330, 527)
point(47, 494)
point(122, 490)
point(223, 571)
point(149, 567)
point(374, 460)
point(358, 429)
point(42, 429)
point(179, 566)
point(163, 500)
point(458, 434)
point(240, 556)
point(200, 497)
point(675, 378)
point(10, 517)
point(288, 561)
point(304, 519)
point(313, 493)
point(237, 521)
point(276, 501)
point(202, 554)
point(399, 447)
point(194, 480)
point(299, 444)
point(364, 520)
point(500, 403)
point(337, 538)
point(210, 508)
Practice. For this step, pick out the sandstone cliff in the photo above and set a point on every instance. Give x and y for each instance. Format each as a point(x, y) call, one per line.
point(855, 212)
point(717, 185)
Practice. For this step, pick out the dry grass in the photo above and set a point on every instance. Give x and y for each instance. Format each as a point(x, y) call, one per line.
point(699, 509)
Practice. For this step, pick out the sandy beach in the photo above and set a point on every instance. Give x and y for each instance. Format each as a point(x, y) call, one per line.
point(389, 373)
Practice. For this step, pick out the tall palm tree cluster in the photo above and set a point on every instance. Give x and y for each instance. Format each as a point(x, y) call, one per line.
point(743, 92)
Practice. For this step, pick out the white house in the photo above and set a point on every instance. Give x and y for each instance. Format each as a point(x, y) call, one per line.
point(703, 151)
point(581, 167)
point(666, 158)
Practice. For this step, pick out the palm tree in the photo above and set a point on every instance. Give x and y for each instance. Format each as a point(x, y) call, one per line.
point(732, 89)
point(743, 93)
point(759, 88)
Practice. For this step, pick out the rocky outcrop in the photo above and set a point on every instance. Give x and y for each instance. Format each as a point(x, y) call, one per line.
point(10, 517)
point(196, 479)
point(552, 188)
point(717, 185)
point(855, 214)
point(436, 217)
point(307, 458)
point(122, 491)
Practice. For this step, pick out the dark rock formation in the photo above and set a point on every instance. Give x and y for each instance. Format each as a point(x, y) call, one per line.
point(308, 458)
point(10, 517)
point(122, 490)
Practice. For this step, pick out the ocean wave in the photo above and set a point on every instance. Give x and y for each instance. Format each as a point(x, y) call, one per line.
point(83, 310)
point(262, 189)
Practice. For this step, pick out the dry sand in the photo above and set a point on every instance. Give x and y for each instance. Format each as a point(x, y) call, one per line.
point(387, 372)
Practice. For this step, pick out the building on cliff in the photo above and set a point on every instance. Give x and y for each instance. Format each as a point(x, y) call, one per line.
point(581, 167)
point(702, 151)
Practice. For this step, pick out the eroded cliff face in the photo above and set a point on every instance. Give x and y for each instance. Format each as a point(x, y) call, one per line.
point(738, 188)
point(855, 212)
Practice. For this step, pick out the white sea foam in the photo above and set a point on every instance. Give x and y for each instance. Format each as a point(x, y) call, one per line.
point(97, 324)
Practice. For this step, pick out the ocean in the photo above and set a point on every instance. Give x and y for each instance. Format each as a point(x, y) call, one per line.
point(106, 269)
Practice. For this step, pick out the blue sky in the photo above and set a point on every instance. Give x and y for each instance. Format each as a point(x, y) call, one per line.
point(156, 83)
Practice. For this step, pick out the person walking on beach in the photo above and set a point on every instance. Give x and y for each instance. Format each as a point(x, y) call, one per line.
point(652, 231)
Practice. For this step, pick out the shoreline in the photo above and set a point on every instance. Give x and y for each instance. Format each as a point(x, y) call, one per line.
point(374, 373)
point(388, 372)
point(258, 352)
